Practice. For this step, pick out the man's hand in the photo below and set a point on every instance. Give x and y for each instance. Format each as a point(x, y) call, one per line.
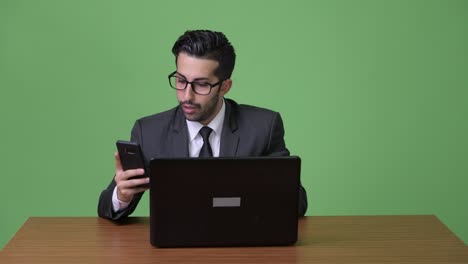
point(127, 188)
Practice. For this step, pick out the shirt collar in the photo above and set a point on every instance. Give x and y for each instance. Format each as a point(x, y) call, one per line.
point(216, 124)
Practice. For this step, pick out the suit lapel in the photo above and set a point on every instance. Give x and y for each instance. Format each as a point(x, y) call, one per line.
point(229, 137)
point(178, 136)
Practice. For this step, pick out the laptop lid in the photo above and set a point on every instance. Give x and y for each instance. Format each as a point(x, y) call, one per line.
point(249, 201)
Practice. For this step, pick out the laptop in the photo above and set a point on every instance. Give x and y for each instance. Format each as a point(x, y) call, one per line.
point(208, 202)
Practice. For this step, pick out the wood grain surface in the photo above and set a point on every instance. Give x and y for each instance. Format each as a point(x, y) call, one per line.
point(333, 239)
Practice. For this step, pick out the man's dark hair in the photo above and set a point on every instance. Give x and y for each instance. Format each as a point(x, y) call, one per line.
point(208, 44)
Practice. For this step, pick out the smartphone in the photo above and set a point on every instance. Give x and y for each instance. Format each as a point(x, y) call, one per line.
point(131, 157)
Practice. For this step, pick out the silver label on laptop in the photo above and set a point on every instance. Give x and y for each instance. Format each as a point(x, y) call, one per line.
point(226, 201)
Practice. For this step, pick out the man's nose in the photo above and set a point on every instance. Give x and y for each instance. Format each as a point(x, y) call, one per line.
point(188, 92)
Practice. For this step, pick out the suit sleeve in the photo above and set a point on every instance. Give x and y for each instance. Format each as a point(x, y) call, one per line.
point(105, 209)
point(277, 147)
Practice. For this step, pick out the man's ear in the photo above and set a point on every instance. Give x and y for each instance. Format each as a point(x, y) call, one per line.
point(225, 87)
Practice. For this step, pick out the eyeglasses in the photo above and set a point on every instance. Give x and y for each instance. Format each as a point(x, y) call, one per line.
point(199, 87)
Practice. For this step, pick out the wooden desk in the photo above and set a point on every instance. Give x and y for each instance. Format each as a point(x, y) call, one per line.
point(336, 239)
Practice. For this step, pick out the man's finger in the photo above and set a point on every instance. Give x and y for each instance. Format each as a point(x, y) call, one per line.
point(141, 181)
point(130, 184)
point(132, 173)
point(136, 182)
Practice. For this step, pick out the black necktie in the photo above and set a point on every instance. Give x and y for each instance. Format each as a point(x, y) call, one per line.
point(206, 148)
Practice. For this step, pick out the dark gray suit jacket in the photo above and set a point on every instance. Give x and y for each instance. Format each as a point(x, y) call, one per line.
point(247, 131)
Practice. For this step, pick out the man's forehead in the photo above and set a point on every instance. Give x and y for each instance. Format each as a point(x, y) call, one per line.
point(194, 67)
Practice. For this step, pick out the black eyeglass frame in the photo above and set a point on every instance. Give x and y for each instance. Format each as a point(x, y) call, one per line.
point(173, 74)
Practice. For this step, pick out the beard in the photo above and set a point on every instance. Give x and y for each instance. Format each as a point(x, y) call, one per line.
point(202, 113)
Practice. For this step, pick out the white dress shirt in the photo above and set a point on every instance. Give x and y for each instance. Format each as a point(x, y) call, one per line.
point(195, 145)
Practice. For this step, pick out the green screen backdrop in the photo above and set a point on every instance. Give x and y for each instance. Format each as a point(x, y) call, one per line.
point(373, 95)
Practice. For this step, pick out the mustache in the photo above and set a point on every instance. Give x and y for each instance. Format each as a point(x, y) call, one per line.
point(189, 103)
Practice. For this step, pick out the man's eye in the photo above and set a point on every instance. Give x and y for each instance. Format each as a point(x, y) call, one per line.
point(203, 85)
point(181, 81)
